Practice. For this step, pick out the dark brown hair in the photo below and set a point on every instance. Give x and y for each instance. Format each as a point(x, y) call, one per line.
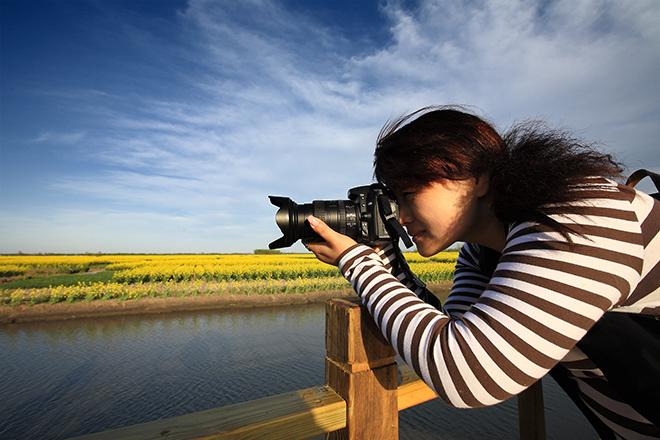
point(530, 166)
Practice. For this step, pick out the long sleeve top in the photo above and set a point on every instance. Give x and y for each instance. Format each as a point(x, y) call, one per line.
point(496, 336)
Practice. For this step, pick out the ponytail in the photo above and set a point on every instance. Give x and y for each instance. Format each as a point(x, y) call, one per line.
point(541, 169)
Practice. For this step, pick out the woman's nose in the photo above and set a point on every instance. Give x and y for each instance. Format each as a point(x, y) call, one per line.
point(405, 217)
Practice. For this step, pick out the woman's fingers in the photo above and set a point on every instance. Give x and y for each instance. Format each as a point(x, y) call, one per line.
point(334, 245)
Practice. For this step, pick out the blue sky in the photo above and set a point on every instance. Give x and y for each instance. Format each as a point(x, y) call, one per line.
point(163, 126)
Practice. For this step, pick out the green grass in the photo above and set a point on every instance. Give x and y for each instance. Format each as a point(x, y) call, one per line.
point(59, 280)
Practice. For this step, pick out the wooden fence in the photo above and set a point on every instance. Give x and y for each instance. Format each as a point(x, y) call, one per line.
point(360, 401)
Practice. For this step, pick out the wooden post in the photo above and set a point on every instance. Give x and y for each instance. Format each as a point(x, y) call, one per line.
point(360, 367)
point(531, 416)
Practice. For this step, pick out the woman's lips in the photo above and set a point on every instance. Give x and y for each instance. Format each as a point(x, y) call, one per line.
point(416, 235)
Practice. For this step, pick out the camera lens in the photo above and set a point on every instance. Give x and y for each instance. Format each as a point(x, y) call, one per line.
point(340, 215)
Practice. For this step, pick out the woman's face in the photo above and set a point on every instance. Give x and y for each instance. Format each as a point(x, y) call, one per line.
point(444, 212)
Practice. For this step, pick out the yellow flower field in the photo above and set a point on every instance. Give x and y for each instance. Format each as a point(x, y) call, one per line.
point(136, 276)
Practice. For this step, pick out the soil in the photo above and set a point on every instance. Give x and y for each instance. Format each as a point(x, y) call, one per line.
point(59, 311)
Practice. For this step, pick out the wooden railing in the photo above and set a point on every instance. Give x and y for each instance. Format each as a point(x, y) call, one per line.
point(361, 399)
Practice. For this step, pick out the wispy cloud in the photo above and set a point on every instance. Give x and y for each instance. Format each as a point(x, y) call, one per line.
point(59, 138)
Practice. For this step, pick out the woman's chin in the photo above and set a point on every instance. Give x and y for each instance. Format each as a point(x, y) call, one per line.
point(424, 251)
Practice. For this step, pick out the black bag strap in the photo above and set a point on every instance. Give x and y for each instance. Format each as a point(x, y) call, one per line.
point(639, 175)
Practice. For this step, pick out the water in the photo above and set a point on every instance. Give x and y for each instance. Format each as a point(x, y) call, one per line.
point(64, 379)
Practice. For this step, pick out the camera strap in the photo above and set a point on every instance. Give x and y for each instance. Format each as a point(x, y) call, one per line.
point(413, 282)
point(391, 221)
point(396, 230)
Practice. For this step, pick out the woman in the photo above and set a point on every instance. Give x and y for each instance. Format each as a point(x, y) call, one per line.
point(552, 247)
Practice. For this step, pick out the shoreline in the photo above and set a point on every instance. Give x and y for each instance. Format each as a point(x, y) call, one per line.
point(79, 310)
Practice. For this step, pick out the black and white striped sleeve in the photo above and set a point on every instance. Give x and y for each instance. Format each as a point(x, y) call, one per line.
point(541, 300)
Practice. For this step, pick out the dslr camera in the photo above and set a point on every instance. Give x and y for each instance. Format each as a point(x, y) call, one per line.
point(369, 216)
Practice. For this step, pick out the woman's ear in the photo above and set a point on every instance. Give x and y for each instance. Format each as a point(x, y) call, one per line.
point(481, 185)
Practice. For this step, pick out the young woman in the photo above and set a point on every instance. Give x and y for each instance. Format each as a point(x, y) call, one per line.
point(560, 270)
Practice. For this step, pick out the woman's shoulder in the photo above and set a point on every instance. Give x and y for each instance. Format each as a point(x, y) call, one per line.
point(601, 188)
point(605, 199)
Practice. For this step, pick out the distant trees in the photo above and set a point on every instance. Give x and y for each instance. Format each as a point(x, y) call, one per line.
point(266, 251)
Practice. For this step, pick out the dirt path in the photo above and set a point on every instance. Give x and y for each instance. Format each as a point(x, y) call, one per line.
point(51, 312)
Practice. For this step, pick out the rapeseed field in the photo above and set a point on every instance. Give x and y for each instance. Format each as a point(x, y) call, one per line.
point(131, 277)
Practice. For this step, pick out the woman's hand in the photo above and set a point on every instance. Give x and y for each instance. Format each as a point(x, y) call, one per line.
point(334, 245)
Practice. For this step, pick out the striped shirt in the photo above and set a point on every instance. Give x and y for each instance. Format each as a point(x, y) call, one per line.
point(496, 336)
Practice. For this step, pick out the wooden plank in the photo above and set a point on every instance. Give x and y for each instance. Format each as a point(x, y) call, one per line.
point(412, 390)
point(297, 415)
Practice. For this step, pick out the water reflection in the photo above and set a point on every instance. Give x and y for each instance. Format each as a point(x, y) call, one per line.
point(70, 378)
point(63, 379)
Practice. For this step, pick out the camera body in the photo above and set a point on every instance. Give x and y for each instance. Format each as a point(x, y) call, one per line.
point(367, 217)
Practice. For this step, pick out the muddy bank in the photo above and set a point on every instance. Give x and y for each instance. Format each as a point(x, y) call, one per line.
point(52, 312)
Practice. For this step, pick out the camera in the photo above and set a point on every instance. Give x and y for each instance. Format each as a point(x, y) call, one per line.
point(369, 216)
